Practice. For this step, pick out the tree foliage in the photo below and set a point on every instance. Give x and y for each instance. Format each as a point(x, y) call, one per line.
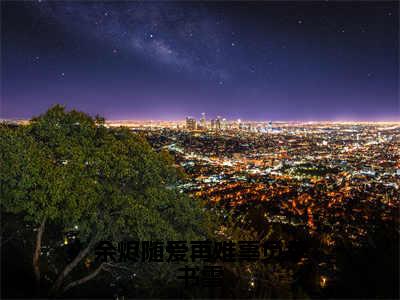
point(69, 169)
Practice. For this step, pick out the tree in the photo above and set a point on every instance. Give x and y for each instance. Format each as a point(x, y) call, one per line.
point(26, 173)
point(68, 169)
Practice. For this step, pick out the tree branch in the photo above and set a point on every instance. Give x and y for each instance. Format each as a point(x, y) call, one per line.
point(56, 286)
point(84, 279)
point(36, 254)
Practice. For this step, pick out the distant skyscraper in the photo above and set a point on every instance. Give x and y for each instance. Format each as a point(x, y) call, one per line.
point(223, 124)
point(191, 123)
point(218, 123)
point(238, 123)
point(203, 121)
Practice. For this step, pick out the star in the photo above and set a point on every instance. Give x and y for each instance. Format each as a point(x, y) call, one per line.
point(62, 74)
point(233, 44)
point(151, 35)
point(300, 22)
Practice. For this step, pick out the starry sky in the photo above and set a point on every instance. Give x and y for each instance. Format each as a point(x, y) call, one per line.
point(167, 60)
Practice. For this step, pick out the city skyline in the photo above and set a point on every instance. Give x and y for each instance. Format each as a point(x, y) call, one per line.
point(258, 61)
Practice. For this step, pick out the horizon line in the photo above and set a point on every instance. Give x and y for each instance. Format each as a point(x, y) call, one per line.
point(229, 120)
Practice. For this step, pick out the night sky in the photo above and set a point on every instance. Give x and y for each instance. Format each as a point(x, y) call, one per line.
point(249, 60)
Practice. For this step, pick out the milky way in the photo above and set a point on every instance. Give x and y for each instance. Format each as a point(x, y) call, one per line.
point(165, 60)
point(165, 33)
